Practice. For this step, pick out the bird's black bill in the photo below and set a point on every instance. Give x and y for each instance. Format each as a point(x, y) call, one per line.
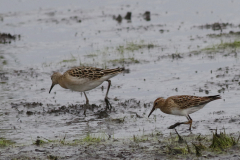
point(151, 111)
point(51, 88)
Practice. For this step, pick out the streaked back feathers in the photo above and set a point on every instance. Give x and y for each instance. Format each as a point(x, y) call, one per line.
point(92, 73)
point(186, 101)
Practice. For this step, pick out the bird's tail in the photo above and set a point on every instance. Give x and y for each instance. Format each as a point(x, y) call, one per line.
point(113, 71)
point(207, 99)
point(214, 97)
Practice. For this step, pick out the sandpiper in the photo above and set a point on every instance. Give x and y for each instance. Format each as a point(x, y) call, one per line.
point(85, 78)
point(182, 106)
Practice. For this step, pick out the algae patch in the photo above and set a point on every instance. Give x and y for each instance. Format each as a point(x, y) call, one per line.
point(227, 45)
point(124, 60)
point(5, 143)
point(94, 138)
point(222, 141)
point(72, 59)
point(230, 34)
point(134, 46)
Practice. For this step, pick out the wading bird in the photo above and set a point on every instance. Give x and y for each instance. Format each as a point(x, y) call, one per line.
point(83, 79)
point(182, 106)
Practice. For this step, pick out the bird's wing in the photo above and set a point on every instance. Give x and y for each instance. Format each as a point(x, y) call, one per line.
point(186, 101)
point(86, 72)
point(92, 72)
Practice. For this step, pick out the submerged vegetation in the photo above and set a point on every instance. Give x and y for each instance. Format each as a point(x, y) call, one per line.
point(227, 45)
point(134, 46)
point(235, 44)
point(93, 138)
point(72, 59)
point(89, 138)
point(5, 143)
point(121, 54)
point(124, 60)
point(39, 142)
point(118, 55)
point(230, 34)
point(131, 53)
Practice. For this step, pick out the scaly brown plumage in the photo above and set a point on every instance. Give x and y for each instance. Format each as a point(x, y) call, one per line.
point(182, 106)
point(91, 72)
point(84, 78)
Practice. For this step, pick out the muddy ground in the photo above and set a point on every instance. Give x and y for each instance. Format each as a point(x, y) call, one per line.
point(166, 49)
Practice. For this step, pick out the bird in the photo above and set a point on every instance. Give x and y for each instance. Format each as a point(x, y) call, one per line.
point(182, 105)
point(83, 79)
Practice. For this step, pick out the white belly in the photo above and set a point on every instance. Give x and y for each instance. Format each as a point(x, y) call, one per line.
point(83, 85)
point(185, 112)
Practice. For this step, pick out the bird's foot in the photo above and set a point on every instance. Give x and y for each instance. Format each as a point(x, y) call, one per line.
point(84, 113)
point(190, 130)
point(85, 108)
point(173, 126)
point(108, 104)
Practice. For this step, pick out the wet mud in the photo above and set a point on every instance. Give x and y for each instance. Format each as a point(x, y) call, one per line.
point(8, 38)
point(216, 26)
point(165, 51)
point(151, 146)
point(230, 34)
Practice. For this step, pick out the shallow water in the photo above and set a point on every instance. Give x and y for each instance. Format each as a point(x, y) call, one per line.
point(53, 39)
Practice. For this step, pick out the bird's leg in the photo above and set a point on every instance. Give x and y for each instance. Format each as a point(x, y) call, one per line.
point(109, 85)
point(179, 123)
point(87, 103)
point(190, 122)
point(106, 97)
point(180, 139)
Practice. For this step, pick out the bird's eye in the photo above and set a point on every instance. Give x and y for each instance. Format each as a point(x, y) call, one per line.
point(156, 103)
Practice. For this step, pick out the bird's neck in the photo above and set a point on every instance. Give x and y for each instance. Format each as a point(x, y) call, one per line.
point(61, 82)
point(164, 107)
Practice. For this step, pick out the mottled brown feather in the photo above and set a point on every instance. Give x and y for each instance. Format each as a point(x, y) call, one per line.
point(92, 72)
point(186, 101)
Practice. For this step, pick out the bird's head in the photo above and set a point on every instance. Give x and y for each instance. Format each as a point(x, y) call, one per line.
point(157, 104)
point(55, 77)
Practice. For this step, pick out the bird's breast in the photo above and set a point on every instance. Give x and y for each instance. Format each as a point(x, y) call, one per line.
point(81, 84)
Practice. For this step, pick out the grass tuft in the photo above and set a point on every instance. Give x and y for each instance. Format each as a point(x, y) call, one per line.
point(222, 141)
point(124, 60)
point(177, 150)
point(235, 44)
point(51, 157)
point(222, 46)
point(138, 139)
point(4, 142)
point(39, 142)
point(135, 46)
point(180, 139)
point(92, 138)
point(72, 59)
